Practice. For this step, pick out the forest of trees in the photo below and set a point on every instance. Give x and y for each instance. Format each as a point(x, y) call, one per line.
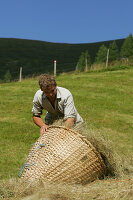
point(111, 52)
point(36, 57)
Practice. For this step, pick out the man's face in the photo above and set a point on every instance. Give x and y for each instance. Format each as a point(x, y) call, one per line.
point(50, 92)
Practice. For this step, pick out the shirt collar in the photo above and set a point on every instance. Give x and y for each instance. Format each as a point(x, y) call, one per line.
point(58, 95)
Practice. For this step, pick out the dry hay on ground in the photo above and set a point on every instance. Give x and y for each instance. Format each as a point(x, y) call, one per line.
point(111, 189)
point(117, 185)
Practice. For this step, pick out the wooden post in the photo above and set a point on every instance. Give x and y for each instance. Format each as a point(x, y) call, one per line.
point(54, 67)
point(76, 69)
point(20, 74)
point(107, 58)
point(86, 66)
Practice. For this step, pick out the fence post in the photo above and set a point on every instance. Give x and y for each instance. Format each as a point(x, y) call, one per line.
point(20, 74)
point(54, 67)
point(107, 58)
point(86, 65)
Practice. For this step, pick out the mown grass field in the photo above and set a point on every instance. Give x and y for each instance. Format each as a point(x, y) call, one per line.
point(103, 99)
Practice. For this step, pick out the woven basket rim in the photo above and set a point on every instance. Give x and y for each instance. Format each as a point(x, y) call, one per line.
point(84, 139)
point(75, 132)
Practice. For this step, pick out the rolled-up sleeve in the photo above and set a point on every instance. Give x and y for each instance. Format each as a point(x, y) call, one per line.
point(69, 108)
point(37, 108)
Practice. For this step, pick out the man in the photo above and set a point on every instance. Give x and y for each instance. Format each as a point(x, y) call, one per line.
point(57, 101)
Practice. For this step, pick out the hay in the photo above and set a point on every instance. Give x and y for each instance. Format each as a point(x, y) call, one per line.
point(110, 188)
point(102, 189)
point(114, 163)
point(63, 155)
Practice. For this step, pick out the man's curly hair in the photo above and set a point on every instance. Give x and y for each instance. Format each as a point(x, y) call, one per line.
point(46, 81)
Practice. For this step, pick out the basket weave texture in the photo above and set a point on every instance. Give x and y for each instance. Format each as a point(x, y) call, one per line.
point(63, 155)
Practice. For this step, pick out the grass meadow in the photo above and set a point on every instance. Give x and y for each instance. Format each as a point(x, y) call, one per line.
point(103, 99)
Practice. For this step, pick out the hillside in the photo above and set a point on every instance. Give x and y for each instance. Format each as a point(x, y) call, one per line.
point(37, 56)
point(104, 100)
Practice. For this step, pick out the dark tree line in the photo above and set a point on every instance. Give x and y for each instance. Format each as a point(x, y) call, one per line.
point(114, 54)
point(36, 57)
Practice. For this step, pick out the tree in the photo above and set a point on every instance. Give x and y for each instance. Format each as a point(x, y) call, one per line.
point(127, 47)
point(84, 61)
point(101, 54)
point(7, 76)
point(87, 60)
point(113, 51)
point(81, 62)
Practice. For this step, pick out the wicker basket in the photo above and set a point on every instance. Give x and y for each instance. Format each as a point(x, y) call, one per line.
point(63, 155)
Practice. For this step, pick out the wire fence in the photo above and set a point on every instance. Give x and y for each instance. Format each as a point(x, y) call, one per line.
point(28, 72)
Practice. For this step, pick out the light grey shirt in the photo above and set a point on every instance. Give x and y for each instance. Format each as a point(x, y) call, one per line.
point(64, 106)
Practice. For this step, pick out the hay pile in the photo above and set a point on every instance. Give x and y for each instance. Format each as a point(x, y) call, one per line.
point(117, 185)
point(103, 189)
point(115, 165)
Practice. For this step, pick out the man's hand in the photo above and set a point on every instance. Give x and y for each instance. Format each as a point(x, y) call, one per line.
point(69, 122)
point(43, 129)
point(39, 122)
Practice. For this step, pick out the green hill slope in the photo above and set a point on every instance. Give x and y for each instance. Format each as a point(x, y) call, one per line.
point(37, 56)
point(104, 100)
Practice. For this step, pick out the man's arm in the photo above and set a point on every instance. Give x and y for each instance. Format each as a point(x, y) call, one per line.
point(69, 111)
point(69, 122)
point(37, 111)
point(39, 122)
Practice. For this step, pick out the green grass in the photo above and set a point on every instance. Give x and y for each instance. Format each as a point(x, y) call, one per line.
point(105, 102)
point(103, 99)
